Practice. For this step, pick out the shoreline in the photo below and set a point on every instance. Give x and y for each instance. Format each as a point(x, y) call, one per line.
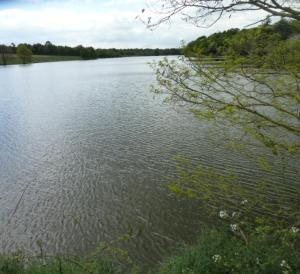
point(13, 60)
point(58, 58)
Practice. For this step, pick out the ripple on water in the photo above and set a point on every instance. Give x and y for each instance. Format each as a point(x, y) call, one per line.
point(87, 154)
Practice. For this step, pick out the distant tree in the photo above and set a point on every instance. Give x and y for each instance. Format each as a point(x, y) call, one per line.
point(91, 53)
point(24, 53)
point(285, 28)
point(4, 51)
point(88, 53)
point(49, 48)
point(215, 45)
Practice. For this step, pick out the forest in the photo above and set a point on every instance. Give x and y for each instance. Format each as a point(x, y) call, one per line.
point(49, 49)
point(243, 42)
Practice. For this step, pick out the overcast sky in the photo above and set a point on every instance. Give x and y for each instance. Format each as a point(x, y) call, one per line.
point(98, 23)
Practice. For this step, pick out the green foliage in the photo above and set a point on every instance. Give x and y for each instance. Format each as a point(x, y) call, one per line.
point(215, 45)
point(230, 249)
point(107, 258)
point(49, 51)
point(24, 53)
point(255, 41)
point(287, 28)
point(4, 54)
point(252, 94)
point(264, 200)
point(254, 88)
point(12, 59)
point(18, 264)
point(223, 251)
point(88, 53)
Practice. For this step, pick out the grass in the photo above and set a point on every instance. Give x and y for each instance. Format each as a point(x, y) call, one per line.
point(17, 264)
point(217, 252)
point(223, 252)
point(12, 59)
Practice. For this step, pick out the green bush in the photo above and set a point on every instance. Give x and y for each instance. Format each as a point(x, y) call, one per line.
point(17, 264)
point(221, 251)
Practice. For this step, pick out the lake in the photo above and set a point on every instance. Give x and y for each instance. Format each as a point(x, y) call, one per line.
point(86, 154)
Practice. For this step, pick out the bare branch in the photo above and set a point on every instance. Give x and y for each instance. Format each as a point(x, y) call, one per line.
point(199, 12)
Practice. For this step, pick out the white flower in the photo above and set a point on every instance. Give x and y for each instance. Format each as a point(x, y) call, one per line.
point(284, 264)
point(223, 214)
point(244, 202)
point(257, 261)
point(234, 227)
point(217, 258)
point(234, 214)
point(294, 229)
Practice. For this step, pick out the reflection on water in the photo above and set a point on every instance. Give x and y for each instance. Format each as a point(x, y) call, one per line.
point(86, 152)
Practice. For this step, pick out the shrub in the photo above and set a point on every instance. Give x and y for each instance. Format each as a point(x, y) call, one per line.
point(221, 251)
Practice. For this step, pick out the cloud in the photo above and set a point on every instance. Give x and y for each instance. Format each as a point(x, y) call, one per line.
point(98, 23)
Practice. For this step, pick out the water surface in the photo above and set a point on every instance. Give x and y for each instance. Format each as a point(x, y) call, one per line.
point(86, 152)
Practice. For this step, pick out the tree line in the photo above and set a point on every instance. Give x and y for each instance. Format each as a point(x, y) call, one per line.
point(245, 41)
point(84, 52)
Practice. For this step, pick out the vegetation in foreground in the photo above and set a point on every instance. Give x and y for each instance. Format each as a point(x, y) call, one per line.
point(225, 252)
point(217, 251)
point(17, 264)
point(253, 92)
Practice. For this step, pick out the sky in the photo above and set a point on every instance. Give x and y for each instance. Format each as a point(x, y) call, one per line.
point(98, 23)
